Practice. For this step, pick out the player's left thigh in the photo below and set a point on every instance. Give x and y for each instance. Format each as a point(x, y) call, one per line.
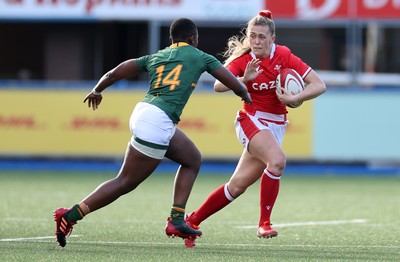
point(136, 167)
point(266, 148)
point(182, 150)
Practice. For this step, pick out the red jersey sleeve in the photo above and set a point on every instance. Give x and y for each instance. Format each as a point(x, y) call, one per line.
point(297, 64)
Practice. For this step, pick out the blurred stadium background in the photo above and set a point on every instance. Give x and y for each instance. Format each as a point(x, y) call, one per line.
point(53, 51)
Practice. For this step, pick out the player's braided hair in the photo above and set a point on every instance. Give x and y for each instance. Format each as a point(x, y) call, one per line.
point(240, 45)
point(181, 29)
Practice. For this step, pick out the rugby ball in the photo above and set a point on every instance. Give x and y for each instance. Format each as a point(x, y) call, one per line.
point(291, 81)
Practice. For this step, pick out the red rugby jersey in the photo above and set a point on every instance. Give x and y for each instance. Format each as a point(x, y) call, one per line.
point(262, 89)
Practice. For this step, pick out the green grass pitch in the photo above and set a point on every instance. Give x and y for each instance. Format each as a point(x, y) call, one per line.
point(319, 218)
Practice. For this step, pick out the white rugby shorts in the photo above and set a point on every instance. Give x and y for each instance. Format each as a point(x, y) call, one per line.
point(151, 130)
point(248, 125)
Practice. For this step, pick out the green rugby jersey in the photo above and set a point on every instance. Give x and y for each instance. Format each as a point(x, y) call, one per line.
point(174, 72)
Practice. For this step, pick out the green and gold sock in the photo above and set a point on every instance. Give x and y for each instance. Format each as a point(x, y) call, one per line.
point(177, 213)
point(75, 214)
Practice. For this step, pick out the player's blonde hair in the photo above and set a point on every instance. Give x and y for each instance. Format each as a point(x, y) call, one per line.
point(240, 45)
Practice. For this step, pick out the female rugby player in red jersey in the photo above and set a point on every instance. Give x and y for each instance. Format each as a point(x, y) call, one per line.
point(256, 60)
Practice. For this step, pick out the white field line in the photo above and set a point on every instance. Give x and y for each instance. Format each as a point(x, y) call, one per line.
point(30, 238)
point(23, 219)
point(334, 222)
point(314, 223)
point(237, 244)
point(117, 243)
point(17, 219)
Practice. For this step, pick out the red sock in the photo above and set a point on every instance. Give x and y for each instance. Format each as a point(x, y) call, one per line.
point(217, 200)
point(269, 188)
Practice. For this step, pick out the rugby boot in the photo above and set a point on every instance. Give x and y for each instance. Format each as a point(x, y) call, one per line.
point(63, 228)
point(182, 230)
point(265, 230)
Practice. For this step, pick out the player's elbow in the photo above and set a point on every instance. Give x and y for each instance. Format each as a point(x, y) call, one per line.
point(322, 87)
point(219, 87)
point(111, 76)
point(318, 87)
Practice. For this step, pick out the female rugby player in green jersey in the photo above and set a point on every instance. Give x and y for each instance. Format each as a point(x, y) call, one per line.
point(174, 73)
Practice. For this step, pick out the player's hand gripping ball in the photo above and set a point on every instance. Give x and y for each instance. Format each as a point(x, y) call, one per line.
point(291, 81)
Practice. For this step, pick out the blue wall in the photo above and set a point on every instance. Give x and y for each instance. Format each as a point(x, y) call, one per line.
point(357, 124)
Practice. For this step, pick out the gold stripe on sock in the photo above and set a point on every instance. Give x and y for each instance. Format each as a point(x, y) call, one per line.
point(179, 209)
point(84, 208)
point(80, 212)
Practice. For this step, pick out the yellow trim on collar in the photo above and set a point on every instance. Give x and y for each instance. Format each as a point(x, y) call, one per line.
point(178, 44)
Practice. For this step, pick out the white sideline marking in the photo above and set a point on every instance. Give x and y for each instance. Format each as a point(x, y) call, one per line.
point(30, 238)
point(235, 245)
point(18, 219)
point(41, 239)
point(314, 223)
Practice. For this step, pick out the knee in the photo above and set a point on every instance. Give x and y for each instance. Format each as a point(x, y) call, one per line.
point(277, 164)
point(236, 189)
point(195, 161)
point(125, 184)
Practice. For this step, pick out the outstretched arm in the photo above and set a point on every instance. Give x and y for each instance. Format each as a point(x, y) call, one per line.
point(229, 81)
point(122, 71)
point(251, 72)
